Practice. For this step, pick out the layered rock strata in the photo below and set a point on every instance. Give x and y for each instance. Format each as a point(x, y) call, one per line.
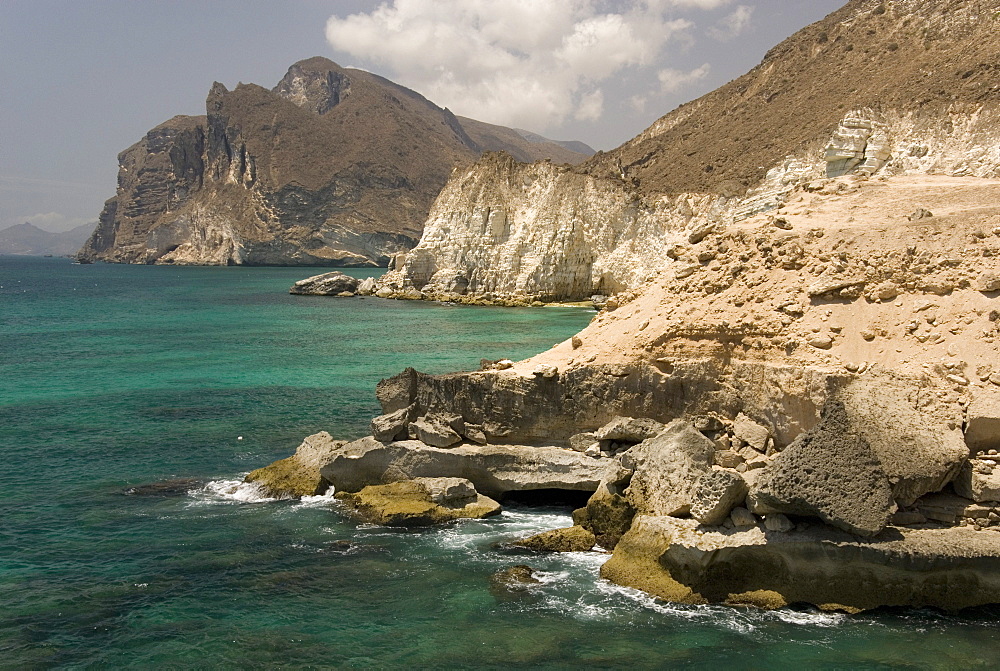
point(331, 167)
point(510, 233)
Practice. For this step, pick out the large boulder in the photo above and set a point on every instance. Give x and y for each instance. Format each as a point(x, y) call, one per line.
point(434, 433)
point(982, 428)
point(299, 475)
point(718, 492)
point(979, 480)
point(679, 561)
point(394, 425)
point(667, 468)
point(419, 502)
point(830, 472)
point(920, 449)
point(629, 429)
point(327, 284)
point(493, 469)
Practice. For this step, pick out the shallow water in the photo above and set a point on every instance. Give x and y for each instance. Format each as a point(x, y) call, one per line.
point(117, 377)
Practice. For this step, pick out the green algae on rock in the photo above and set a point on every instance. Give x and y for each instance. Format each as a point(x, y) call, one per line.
point(419, 502)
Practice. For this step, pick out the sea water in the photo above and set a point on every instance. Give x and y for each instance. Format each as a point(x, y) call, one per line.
point(133, 399)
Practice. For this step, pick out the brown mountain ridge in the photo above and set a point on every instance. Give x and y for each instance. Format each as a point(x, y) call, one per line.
point(333, 166)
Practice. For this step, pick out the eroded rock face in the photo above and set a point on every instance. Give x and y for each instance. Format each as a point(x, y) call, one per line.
point(830, 472)
point(671, 558)
point(668, 468)
point(493, 469)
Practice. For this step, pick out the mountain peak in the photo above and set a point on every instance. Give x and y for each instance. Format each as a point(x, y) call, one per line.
point(317, 84)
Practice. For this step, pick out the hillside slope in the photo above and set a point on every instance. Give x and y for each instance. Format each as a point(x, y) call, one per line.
point(879, 89)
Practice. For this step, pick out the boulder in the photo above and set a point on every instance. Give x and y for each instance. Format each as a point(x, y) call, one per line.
point(750, 432)
point(978, 482)
point(581, 441)
point(298, 475)
point(920, 450)
point(327, 284)
point(419, 502)
point(830, 472)
point(667, 469)
point(366, 287)
point(982, 424)
point(434, 433)
point(717, 493)
point(679, 561)
point(631, 429)
point(493, 469)
point(570, 539)
point(386, 428)
point(608, 514)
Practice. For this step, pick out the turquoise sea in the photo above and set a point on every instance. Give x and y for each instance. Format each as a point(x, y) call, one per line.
point(132, 401)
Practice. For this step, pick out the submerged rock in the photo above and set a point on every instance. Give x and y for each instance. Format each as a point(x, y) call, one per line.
point(514, 583)
point(419, 502)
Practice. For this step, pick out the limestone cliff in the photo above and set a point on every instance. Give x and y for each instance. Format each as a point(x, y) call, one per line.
point(875, 89)
point(333, 166)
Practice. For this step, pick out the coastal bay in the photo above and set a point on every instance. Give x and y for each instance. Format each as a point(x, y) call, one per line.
point(130, 542)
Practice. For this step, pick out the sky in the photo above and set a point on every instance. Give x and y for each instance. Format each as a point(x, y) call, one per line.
point(85, 79)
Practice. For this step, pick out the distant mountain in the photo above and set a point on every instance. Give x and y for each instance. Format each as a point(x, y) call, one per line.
point(332, 167)
point(29, 240)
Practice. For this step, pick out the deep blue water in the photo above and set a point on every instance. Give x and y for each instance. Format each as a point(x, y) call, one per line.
point(113, 377)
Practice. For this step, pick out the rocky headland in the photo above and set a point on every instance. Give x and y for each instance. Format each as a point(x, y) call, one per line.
point(792, 394)
point(332, 167)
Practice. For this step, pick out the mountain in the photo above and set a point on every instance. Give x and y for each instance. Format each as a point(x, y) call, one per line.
point(30, 240)
point(879, 88)
point(333, 166)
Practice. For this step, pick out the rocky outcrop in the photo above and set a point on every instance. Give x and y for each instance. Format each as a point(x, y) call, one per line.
point(676, 560)
point(298, 475)
point(419, 502)
point(571, 539)
point(332, 167)
point(493, 469)
point(327, 284)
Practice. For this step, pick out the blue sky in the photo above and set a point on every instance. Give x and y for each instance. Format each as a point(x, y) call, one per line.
point(84, 80)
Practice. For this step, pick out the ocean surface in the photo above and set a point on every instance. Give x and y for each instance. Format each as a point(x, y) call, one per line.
point(133, 399)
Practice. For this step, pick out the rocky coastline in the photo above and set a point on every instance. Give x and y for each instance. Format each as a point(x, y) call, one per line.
point(791, 392)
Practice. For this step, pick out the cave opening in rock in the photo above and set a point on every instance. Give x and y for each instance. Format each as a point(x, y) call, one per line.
point(559, 498)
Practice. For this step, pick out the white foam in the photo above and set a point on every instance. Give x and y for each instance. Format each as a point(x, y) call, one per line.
point(230, 491)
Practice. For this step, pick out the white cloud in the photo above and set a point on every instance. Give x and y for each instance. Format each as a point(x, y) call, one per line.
point(591, 107)
point(673, 80)
point(521, 63)
point(733, 24)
